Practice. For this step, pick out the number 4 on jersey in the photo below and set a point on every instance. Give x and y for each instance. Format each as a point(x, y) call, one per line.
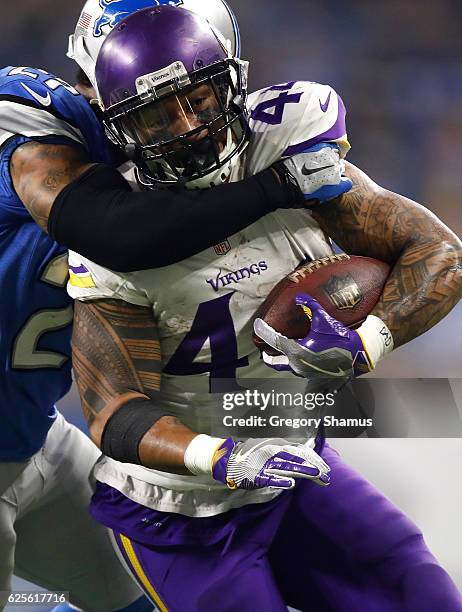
point(213, 322)
point(260, 112)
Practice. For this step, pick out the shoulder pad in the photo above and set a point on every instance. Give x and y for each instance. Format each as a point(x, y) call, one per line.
point(35, 103)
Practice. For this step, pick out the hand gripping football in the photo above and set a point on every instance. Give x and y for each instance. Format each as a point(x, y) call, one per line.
point(347, 287)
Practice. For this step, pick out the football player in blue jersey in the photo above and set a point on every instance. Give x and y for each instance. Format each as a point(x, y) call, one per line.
point(46, 535)
point(207, 523)
point(58, 175)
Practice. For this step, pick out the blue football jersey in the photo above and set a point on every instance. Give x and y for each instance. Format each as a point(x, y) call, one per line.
point(35, 310)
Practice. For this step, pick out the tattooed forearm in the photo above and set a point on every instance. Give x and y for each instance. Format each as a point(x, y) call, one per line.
point(426, 278)
point(40, 172)
point(116, 358)
point(416, 297)
point(115, 352)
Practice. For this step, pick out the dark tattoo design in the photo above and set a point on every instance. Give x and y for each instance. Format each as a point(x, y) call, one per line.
point(116, 357)
point(426, 278)
point(40, 172)
point(115, 351)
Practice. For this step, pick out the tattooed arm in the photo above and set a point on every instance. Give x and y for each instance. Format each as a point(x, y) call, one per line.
point(116, 359)
point(426, 278)
point(40, 172)
point(63, 192)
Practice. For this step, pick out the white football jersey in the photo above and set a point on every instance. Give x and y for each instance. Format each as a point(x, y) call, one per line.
point(205, 305)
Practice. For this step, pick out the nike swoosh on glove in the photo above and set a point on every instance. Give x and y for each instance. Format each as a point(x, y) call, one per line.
point(318, 172)
point(331, 350)
point(270, 462)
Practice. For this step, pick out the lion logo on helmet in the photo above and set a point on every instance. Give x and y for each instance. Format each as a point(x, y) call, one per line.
point(115, 10)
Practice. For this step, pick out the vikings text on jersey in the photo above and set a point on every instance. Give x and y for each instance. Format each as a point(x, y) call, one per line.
point(205, 305)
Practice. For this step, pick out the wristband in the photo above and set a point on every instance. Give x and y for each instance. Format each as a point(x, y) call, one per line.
point(293, 193)
point(199, 455)
point(376, 338)
point(126, 428)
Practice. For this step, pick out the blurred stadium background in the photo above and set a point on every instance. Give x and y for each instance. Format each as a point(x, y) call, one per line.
point(397, 65)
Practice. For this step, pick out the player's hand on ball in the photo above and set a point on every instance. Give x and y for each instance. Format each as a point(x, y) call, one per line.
point(330, 350)
point(272, 462)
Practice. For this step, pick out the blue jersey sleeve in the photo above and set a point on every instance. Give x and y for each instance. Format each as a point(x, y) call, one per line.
point(35, 105)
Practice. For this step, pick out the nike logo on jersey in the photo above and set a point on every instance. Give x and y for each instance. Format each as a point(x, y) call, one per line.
point(325, 106)
point(307, 171)
point(43, 100)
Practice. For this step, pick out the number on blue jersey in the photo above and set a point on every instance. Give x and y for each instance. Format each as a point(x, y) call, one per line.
point(25, 353)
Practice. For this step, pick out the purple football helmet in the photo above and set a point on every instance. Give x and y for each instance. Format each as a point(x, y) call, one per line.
point(172, 97)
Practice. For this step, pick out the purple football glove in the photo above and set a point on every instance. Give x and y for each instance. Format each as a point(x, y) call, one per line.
point(331, 350)
point(269, 462)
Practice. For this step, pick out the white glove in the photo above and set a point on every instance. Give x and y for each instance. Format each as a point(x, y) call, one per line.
point(319, 172)
point(255, 463)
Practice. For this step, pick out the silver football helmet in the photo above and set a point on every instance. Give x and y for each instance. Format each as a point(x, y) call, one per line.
point(98, 18)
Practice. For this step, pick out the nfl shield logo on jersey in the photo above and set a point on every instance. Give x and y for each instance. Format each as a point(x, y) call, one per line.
point(222, 248)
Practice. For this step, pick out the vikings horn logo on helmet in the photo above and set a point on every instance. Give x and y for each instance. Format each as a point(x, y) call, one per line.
point(115, 10)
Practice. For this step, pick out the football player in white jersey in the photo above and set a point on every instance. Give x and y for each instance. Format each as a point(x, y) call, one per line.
point(206, 523)
point(49, 136)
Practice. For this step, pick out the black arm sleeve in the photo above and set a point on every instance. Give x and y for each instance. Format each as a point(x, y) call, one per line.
point(99, 216)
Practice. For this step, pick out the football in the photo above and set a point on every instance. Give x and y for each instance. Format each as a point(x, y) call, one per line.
point(347, 287)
